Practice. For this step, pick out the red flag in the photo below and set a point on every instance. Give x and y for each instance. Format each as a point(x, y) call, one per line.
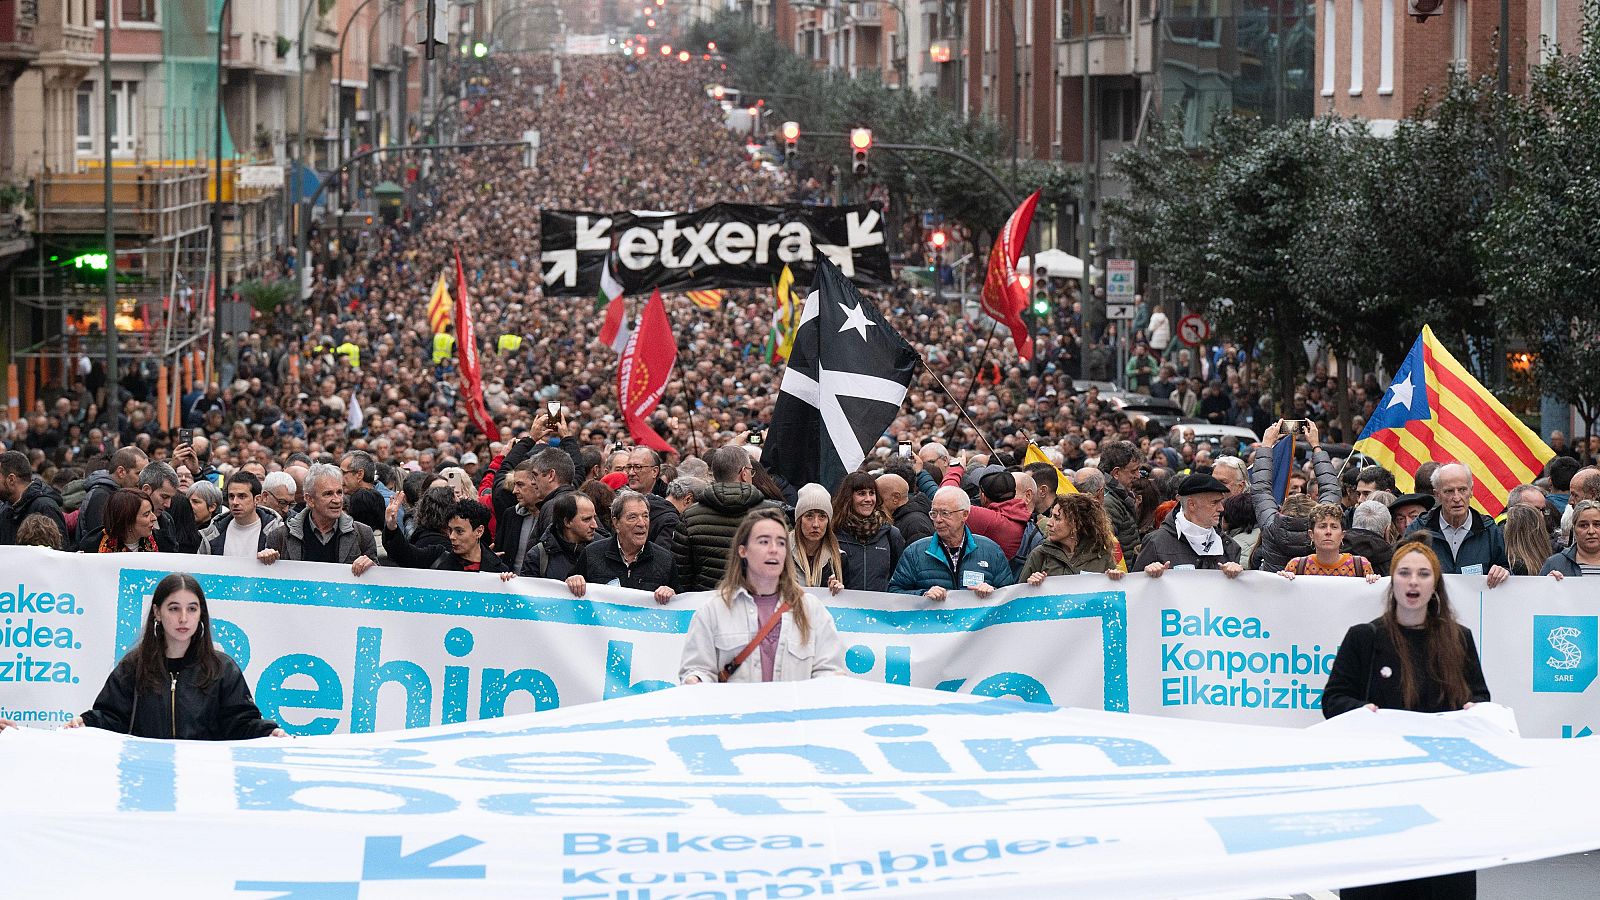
point(1004, 296)
point(467, 349)
point(647, 360)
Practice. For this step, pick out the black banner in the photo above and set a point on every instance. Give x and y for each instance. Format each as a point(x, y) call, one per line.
point(729, 245)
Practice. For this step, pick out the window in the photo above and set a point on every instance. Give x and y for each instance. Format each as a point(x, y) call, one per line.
point(139, 10)
point(1548, 39)
point(85, 119)
point(1358, 45)
point(1458, 36)
point(1386, 49)
point(124, 118)
point(1330, 47)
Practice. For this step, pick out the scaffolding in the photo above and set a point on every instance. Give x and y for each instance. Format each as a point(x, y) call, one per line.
point(161, 260)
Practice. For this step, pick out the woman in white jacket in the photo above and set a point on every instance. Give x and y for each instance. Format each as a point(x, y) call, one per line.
point(759, 587)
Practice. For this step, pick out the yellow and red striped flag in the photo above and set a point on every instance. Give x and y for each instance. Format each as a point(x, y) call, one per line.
point(441, 309)
point(706, 299)
point(1436, 411)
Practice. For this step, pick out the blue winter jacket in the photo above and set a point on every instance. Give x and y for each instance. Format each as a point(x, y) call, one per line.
point(924, 565)
point(1484, 547)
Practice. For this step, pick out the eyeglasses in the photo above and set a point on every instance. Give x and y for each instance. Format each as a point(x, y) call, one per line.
point(944, 513)
point(637, 468)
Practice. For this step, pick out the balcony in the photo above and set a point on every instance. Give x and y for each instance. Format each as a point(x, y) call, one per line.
point(17, 20)
point(154, 203)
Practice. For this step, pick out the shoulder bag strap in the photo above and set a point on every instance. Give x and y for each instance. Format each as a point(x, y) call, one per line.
point(761, 635)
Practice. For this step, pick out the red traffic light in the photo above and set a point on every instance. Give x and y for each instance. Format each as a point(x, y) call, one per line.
point(938, 240)
point(683, 56)
point(791, 131)
point(861, 138)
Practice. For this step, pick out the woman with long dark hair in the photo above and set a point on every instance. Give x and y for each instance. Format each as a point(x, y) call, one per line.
point(130, 523)
point(1415, 656)
point(869, 544)
point(761, 611)
point(175, 683)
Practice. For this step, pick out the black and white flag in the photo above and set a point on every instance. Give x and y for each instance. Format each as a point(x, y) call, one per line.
point(846, 379)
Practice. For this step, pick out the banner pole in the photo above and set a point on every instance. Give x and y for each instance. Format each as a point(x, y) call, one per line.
point(961, 408)
point(688, 404)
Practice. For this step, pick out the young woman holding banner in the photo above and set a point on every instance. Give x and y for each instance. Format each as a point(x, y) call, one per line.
point(766, 628)
point(175, 683)
point(1436, 671)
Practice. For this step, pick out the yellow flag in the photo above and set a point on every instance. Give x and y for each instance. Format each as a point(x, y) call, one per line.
point(785, 319)
point(441, 309)
point(1064, 484)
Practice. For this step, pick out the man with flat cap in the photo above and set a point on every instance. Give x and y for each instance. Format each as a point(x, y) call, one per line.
point(1189, 538)
point(1406, 508)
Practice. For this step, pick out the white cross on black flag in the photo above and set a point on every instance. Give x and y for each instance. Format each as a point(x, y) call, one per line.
point(846, 379)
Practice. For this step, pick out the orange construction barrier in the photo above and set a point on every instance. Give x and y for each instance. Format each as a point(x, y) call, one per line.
point(13, 402)
point(163, 402)
point(30, 377)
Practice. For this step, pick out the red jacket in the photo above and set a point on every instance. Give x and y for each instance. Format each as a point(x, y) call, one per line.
point(1002, 522)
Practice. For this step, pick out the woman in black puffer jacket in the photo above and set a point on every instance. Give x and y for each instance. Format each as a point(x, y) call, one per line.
point(869, 545)
point(1286, 532)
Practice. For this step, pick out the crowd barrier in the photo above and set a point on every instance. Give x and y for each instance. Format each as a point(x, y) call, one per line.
point(327, 652)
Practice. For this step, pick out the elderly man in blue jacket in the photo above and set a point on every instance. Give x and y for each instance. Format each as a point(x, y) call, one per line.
point(1467, 541)
point(953, 558)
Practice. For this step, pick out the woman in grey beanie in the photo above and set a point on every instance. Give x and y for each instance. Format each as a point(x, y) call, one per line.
point(812, 541)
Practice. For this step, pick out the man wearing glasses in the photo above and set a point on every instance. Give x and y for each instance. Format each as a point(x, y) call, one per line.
point(954, 558)
point(644, 476)
point(277, 494)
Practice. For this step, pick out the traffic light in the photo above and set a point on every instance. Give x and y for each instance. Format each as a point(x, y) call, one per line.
point(1041, 291)
point(860, 144)
point(480, 49)
point(791, 139)
point(1422, 9)
point(938, 240)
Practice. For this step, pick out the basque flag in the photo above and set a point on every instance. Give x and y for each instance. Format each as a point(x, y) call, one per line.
point(846, 379)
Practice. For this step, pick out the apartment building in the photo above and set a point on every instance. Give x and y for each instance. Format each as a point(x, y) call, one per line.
point(346, 69)
point(1375, 62)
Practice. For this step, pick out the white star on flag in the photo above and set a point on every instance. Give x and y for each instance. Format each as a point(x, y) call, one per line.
point(1402, 393)
point(856, 319)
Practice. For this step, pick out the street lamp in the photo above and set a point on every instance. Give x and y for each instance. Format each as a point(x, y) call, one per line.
point(218, 272)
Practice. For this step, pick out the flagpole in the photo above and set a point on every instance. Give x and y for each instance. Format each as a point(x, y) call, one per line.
point(688, 404)
point(962, 403)
point(961, 409)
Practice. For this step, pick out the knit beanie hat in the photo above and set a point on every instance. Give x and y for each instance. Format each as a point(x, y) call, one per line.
point(813, 497)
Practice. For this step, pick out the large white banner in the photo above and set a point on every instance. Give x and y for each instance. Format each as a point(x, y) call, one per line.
point(326, 652)
point(826, 788)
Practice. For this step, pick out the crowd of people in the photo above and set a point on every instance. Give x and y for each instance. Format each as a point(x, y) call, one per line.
point(269, 463)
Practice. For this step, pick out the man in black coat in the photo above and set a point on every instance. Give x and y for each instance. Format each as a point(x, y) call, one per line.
point(630, 559)
point(700, 546)
point(910, 511)
point(361, 499)
point(25, 496)
point(1189, 539)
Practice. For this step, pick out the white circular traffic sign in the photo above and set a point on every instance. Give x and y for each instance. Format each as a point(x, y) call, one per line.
point(1193, 330)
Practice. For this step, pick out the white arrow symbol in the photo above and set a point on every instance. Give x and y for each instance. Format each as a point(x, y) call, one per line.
point(594, 236)
point(841, 257)
point(863, 232)
point(560, 265)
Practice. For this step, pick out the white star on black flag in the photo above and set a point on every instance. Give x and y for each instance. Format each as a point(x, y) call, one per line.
point(846, 379)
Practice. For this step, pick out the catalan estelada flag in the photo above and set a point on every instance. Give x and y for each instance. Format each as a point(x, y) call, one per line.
point(706, 299)
point(1435, 410)
point(441, 309)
